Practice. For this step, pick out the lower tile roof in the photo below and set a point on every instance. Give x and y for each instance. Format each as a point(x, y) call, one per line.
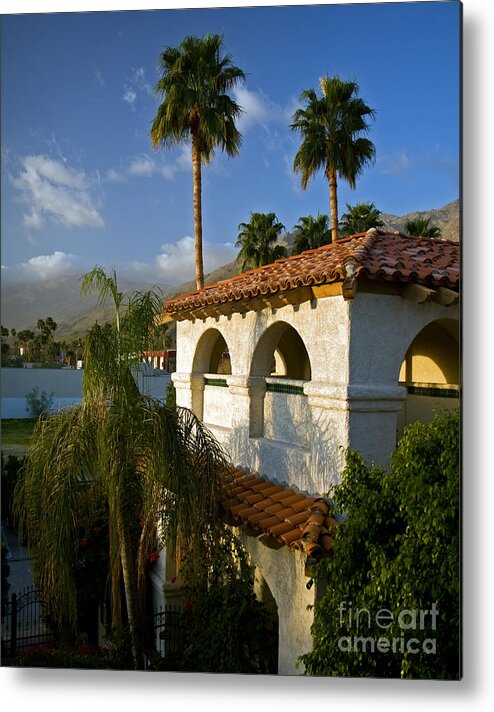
point(279, 514)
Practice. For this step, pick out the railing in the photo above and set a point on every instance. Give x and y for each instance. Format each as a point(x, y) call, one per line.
point(168, 626)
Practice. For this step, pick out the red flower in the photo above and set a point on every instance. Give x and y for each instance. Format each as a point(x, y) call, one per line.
point(153, 556)
point(83, 543)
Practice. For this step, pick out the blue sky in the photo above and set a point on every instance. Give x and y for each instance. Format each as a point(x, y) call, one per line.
point(81, 184)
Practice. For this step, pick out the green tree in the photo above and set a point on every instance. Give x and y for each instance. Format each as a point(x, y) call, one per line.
point(359, 218)
point(257, 240)
point(332, 127)
point(311, 233)
point(160, 472)
point(421, 227)
point(397, 550)
point(25, 338)
point(194, 85)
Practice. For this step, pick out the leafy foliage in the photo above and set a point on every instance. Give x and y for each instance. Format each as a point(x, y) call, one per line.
point(39, 404)
point(257, 240)
point(310, 233)
point(227, 630)
point(194, 85)
point(138, 463)
point(11, 467)
point(397, 550)
point(333, 127)
point(359, 218)
point(422, 228)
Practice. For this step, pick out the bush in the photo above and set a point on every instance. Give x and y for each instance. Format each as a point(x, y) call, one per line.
point(11, 466)
point(395, 570)
point(39, 405)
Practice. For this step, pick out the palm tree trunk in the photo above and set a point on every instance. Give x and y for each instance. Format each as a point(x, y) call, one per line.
point(130, 591)
point(196, 169)
point(333, 202)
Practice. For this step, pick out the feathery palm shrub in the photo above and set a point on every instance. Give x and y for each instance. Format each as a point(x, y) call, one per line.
point(158, 470)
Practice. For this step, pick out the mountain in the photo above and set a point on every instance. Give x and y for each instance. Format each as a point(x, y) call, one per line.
point(446, 218)
point(23, 305)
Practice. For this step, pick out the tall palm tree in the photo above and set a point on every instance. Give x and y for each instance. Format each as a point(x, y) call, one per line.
point(152, 463)
point(311, 233)
point(195, 79)
point(332, 127)
point(360, 218)
point(257, 240)
point(422, 227)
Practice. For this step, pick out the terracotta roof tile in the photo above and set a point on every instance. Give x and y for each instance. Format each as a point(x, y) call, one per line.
point(376, 255)
point(280, 513)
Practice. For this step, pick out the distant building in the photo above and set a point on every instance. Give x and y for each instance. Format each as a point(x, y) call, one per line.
point(161, 360)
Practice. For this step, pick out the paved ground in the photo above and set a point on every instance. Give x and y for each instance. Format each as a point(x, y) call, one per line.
point(20, 576)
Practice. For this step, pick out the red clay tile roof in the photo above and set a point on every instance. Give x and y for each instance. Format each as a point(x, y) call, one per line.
point(279, 513)
point(376, 255)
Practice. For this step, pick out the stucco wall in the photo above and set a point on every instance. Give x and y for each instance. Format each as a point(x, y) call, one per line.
point(284, 572)
point(287, 418)
point(217, 408)
point(356, 349)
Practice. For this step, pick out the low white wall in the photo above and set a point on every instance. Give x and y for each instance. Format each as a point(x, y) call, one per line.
point(287, 418)
point(217, 408)
point(18, 382)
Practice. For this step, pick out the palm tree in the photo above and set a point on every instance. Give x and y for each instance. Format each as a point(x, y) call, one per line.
point(150, 463)
point(360, 218)
point(194, 82)
point(331, 126)
point(311, 233)
point(257, 241)
point(422, 227)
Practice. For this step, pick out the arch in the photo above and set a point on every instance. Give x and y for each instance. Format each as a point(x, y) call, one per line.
point(430, 372)
point(212, 354)
point(281, 352)
point(433, 355)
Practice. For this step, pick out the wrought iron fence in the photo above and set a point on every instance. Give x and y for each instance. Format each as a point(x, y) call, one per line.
point(24, 623)
point(168, 627)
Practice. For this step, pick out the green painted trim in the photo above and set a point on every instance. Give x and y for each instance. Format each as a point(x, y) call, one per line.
point(434, 392)
point(285, 388)
point(216, 382)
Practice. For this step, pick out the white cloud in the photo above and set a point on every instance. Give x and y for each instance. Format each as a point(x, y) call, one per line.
point(129, 96)
point(136, 86)
point(176, 263)
point(98, 77)
point(146, 166)
point(142, 166)
point(52, 190)
point(113, 176)
point(396, 163)
point(44, 267)
point(260, 109)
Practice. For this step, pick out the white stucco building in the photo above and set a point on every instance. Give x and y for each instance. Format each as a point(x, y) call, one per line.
point(293, 362)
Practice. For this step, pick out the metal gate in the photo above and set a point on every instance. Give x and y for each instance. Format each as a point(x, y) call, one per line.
point(168, 626)
point(24, 624)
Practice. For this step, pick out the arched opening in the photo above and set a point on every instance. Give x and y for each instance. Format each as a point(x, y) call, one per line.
point(264, 596)
point(212, 360)
point(281, 353)
point(281, 358)
point(212, 354)
point(431, 372)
